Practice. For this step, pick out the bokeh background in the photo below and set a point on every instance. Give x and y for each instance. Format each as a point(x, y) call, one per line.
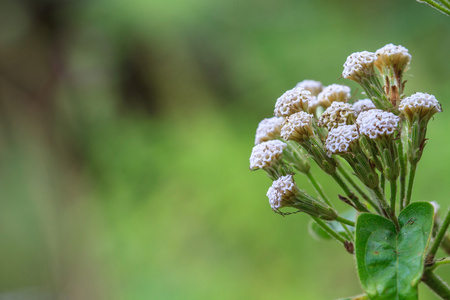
point(126, 129)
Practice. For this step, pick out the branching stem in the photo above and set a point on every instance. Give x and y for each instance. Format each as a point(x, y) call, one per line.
point(412, 174)
point(436, 284)
point(439, 236)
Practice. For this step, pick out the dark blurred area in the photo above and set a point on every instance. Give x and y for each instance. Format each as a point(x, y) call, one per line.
point(126, 128)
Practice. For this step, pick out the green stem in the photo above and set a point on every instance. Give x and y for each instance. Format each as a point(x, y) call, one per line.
point(403, 167)
point(436, 284)
point(345, 221)
point(440, 235)
point(383, 183)
point(439, 263)
point(385, 207)
point(412, 174)
point(437, 6)
point(356, 187)
point(393, 195)
point(318, 188)
point(349, 193)
point(446, 3)
point(328, 229)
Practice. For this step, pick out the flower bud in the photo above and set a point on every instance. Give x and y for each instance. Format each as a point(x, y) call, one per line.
point(419, 106)
point(338, 114)
point(297, 127)
point(285, 193)
point(344, 140)
point(418, 110)
point(268, 129)
point(359, 65)
point(377, 123)
point(292, 101)
point(265, 154)
point(315, 87)
point(392, 56)
point(334, 93)
point(340, 138)
point(363, 105)
point(380, 127)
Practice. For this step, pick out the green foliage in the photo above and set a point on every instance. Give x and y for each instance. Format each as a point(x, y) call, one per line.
point(390, 264)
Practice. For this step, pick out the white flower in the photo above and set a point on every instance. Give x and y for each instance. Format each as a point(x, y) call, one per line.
point(282, 192)
point(333, 93)
point(377, 123)
point(292, 101)
point(340, 138)
point(420, 104)
point(392, 56)
point(315, 87)
point(358, 65)
point(268, 129)
point(266, 154)
point(338, 114)
point(297, 127)
point(363, 105)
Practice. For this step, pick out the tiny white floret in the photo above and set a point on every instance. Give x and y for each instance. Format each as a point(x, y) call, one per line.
point(266, 154)
point(268, 129)
point(340, 138)
point(376, 123)
point(282, 192)
point(292, 101)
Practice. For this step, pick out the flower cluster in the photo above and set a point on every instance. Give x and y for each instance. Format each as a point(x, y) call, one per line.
point(320, 123)
point(362, 144)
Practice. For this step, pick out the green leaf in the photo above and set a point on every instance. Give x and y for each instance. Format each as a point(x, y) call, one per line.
point(390, 264)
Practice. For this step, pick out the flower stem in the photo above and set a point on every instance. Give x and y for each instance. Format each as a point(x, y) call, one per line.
point(439, 263)
point(349, 193)
point(446, 3)
point(387, 211)
point(345, 221)
point(412, 174)
point(436, 284)
point(403, 167)
point(393, 195)
point(328, 229)
point(437, 6)
point(440, 235)
point(356, 187)
point(318, 188)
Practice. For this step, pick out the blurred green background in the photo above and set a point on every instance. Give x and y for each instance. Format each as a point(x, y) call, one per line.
point(126, 129)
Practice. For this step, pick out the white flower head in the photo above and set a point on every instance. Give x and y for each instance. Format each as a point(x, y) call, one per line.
point(359, 65)
point(268, 129)
point(266, 154)
point(283, 192)
point(422, 105)
point(394, 56)
point(315, 87)
point(376, 123)
point(292, 101)
point(297, 127)
point(340, 138)
point(338, 114)
point(333, 93)
point(363, 105)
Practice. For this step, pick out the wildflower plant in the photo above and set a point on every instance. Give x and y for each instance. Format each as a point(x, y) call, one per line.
point(370, 147)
